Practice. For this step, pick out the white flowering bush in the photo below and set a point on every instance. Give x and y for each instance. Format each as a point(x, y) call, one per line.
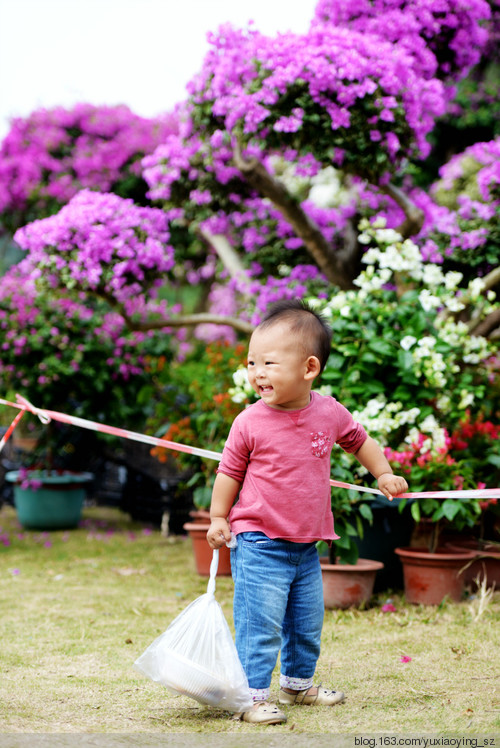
point(397, 334)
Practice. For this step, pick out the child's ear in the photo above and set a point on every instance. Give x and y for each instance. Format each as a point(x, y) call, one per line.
point(313, 367)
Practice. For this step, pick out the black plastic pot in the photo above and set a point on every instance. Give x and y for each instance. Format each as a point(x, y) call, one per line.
point(390, 529)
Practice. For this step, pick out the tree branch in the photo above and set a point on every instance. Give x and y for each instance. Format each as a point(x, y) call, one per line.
point(487, 327)
point(226, 253)
point(414, 217)
point(189, 320)
point(491, 280)
point(338, 270)
point(228, 256)
point(478, 325)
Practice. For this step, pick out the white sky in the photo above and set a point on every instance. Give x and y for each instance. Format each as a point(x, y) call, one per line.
point(135, 52)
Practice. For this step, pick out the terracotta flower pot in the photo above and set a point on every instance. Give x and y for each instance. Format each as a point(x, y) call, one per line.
point(203, 553)
point(349, 585)
point(430, 577)
point(486, 563)
point(200, 516)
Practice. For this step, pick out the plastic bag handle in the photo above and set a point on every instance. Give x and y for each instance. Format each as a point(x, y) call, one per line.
point(213, 571)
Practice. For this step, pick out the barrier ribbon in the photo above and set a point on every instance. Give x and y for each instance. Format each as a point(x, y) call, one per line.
point(47, 415)
point(11, 428)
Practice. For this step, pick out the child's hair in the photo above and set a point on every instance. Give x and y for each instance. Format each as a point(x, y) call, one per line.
point(311, 327)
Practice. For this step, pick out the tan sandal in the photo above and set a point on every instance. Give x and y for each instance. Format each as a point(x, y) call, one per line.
point(262, 713)
point(323, 697)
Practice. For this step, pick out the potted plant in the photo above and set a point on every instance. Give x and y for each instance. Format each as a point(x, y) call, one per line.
point(348, 580)
point(433, 571)
point(48, 499)
point(478, 438)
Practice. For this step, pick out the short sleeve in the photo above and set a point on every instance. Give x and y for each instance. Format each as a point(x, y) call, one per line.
point(351, 435)
point(235, 454)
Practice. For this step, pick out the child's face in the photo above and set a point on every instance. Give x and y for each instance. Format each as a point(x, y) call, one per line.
point(278, 370)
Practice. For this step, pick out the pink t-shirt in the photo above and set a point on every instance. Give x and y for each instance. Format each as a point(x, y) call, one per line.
point(282, 460)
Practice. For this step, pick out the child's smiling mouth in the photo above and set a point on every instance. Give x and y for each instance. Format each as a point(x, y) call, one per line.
point(265, 388)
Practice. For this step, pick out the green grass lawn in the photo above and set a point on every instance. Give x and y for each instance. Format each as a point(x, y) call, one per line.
point(78, 607)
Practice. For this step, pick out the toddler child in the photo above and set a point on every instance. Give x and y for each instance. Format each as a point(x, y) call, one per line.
point(277, 462)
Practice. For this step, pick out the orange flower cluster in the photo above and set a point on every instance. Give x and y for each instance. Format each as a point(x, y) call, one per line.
point(180, 433)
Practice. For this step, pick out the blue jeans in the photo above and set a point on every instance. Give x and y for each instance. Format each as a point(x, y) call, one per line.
point(278, 604)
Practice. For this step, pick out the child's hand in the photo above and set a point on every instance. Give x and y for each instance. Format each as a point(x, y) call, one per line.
point(218, 533)
point(392, 485)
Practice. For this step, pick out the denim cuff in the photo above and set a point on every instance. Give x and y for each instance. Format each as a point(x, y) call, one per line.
point(296, 684)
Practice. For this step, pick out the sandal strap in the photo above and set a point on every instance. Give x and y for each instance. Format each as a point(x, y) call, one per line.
point(300, 696)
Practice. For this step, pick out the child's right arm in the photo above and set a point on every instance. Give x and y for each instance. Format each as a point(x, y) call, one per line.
point(223, 495)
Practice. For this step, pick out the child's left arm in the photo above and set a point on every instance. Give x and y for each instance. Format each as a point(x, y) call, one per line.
point(373, 459)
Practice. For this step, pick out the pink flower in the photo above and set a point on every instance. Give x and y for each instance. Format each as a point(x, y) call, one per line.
point(388, 608)
point(405, 658)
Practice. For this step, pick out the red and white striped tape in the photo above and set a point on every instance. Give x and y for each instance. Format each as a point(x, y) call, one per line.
point(11, 428)
point(46, 415)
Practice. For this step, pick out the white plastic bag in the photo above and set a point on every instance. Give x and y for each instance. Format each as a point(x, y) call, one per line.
point(196, 655)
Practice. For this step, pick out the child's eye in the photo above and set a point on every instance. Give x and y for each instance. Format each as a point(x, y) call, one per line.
point(250, 363)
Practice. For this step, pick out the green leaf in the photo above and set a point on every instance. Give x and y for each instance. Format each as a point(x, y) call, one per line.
point(415, 511)
point(382, 347)
point(343, 542)
point(450, 508)
point(405, 360)
point(366, 512)
point(350, 556)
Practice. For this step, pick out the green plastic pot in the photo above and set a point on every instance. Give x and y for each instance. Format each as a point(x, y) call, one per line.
point(56, 504)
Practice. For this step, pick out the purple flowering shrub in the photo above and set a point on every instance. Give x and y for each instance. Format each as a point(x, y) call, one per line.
point(194, 173)
point(445, 37)
point(469, 189)
point(477, 101)
point(478, 167)
point(341, 95)
point(100, 244)
point(62, 347)
point(344, 97)
point(60, 353)
point(46, 158)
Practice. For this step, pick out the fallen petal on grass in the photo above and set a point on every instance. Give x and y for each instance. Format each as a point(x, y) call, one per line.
point(388, 608)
